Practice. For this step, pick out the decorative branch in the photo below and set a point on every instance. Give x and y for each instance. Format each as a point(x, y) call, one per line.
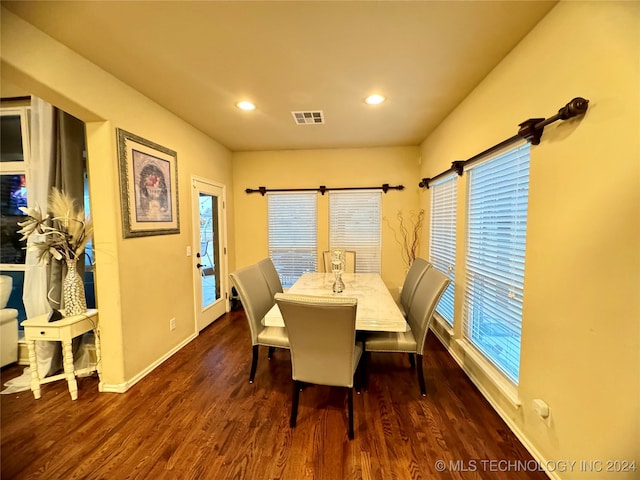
point(408, 234)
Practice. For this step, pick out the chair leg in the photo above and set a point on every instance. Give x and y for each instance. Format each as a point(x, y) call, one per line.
point(270, 354)
point(412, 360)
point(423, 389)
point(294, 404)
point(362, 370)
point(254, 363)
point(350, 403)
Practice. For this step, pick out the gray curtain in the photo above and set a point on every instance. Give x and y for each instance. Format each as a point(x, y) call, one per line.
point(66, 174)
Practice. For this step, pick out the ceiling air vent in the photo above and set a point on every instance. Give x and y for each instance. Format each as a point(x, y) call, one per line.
point(309, 118)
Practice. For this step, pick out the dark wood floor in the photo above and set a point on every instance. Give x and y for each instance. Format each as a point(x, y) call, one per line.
point(197, 417)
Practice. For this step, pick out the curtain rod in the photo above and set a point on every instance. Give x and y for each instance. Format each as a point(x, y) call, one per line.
point(531, 130)
point(322, 189)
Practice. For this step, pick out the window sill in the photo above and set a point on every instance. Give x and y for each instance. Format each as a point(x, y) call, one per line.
point(504, 386)
point(443, 324)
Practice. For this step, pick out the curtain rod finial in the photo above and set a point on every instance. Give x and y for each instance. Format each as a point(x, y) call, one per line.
point(575, 107)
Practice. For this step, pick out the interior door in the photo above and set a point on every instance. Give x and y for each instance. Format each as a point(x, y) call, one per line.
point(210, 247)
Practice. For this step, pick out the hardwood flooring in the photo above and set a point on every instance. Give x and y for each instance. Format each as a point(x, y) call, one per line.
point(197, 417)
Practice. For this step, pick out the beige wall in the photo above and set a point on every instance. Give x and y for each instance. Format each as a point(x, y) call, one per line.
point(141, 282)
point(580, 337)
point(358, 167)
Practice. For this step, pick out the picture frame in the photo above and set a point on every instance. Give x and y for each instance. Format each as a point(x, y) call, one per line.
point(148, 187)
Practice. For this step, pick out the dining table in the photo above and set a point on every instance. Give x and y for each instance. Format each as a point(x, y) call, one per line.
point(377, 311)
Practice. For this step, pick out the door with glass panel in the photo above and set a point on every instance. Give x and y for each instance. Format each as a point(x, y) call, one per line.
point(209, 247)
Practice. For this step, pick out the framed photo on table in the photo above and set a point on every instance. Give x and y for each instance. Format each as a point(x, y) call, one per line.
point(148, 187)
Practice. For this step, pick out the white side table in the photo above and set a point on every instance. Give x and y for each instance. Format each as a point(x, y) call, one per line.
point(64, 330)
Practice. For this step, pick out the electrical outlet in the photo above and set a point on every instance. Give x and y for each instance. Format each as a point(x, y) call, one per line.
point(172, 324)
point(541, 408)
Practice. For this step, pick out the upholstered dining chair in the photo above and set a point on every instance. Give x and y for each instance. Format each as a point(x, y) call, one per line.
point(256, 299)
point(417, 269)
point(430, 288)
point(349, 260)
point(270, 273)
point(322, 333)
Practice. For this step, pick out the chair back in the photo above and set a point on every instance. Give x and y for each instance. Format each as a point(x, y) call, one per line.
point(255, 296)
point(270, 273)
point(322, 335)
point(349, 260)
point(417, 269)
point(427, 295)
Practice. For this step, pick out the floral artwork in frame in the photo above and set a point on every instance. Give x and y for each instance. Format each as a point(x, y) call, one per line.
point(148, 187)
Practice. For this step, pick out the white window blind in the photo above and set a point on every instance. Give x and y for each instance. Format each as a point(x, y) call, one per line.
point(497, 227)
point(354, 224)
point(442, 247)
point(293, 234)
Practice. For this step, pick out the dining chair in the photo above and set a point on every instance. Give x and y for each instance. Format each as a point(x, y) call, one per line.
point(256, 299)
point(322, 334)
point(349, 260)
point(428, 292)
point(270, 273)
point(417, 269)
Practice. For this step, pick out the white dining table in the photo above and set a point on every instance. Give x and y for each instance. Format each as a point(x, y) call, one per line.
point(377, 311)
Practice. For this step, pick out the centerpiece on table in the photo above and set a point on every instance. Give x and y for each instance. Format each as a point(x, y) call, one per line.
point(337, 266)
point(63, 234)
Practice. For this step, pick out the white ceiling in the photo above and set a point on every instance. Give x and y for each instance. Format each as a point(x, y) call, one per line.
point(198, 58)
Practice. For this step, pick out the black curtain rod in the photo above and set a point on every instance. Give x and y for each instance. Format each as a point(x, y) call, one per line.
point(322, 189)
point(531, 130)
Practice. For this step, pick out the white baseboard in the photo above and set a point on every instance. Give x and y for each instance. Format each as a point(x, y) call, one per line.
point(535, 453)
point(123, 387)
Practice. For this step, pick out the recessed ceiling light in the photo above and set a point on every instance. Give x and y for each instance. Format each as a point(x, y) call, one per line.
point(244, 105)
point(374, 99)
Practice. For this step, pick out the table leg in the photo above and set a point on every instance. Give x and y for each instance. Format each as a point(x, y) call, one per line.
point(33, 366)
point(67, 361)
point(96, 336)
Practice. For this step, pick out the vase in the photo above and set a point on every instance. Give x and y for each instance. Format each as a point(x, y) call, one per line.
point(338, 285)
point(73, 297)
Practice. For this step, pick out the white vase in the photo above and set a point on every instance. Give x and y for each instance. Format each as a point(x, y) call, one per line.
point(73, 297)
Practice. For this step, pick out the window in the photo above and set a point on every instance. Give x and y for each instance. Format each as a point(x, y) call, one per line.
point(14, 165)
point(354, 224)
point(442, 247)
point(14, 155)
point(293, 234)
point(497, 224)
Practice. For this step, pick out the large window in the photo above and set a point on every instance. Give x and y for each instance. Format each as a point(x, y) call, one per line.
point(442, 247)
point(354, 224)
point(14, 156)
point(14, 167)
point(497, 225)
point(293, 234)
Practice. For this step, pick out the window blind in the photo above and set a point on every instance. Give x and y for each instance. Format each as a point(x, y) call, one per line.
point(497, 227)
point(442, 247)
point(293, 234)
point(355, 224)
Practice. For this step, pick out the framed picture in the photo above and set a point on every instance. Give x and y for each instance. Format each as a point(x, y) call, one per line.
point(148, 187)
